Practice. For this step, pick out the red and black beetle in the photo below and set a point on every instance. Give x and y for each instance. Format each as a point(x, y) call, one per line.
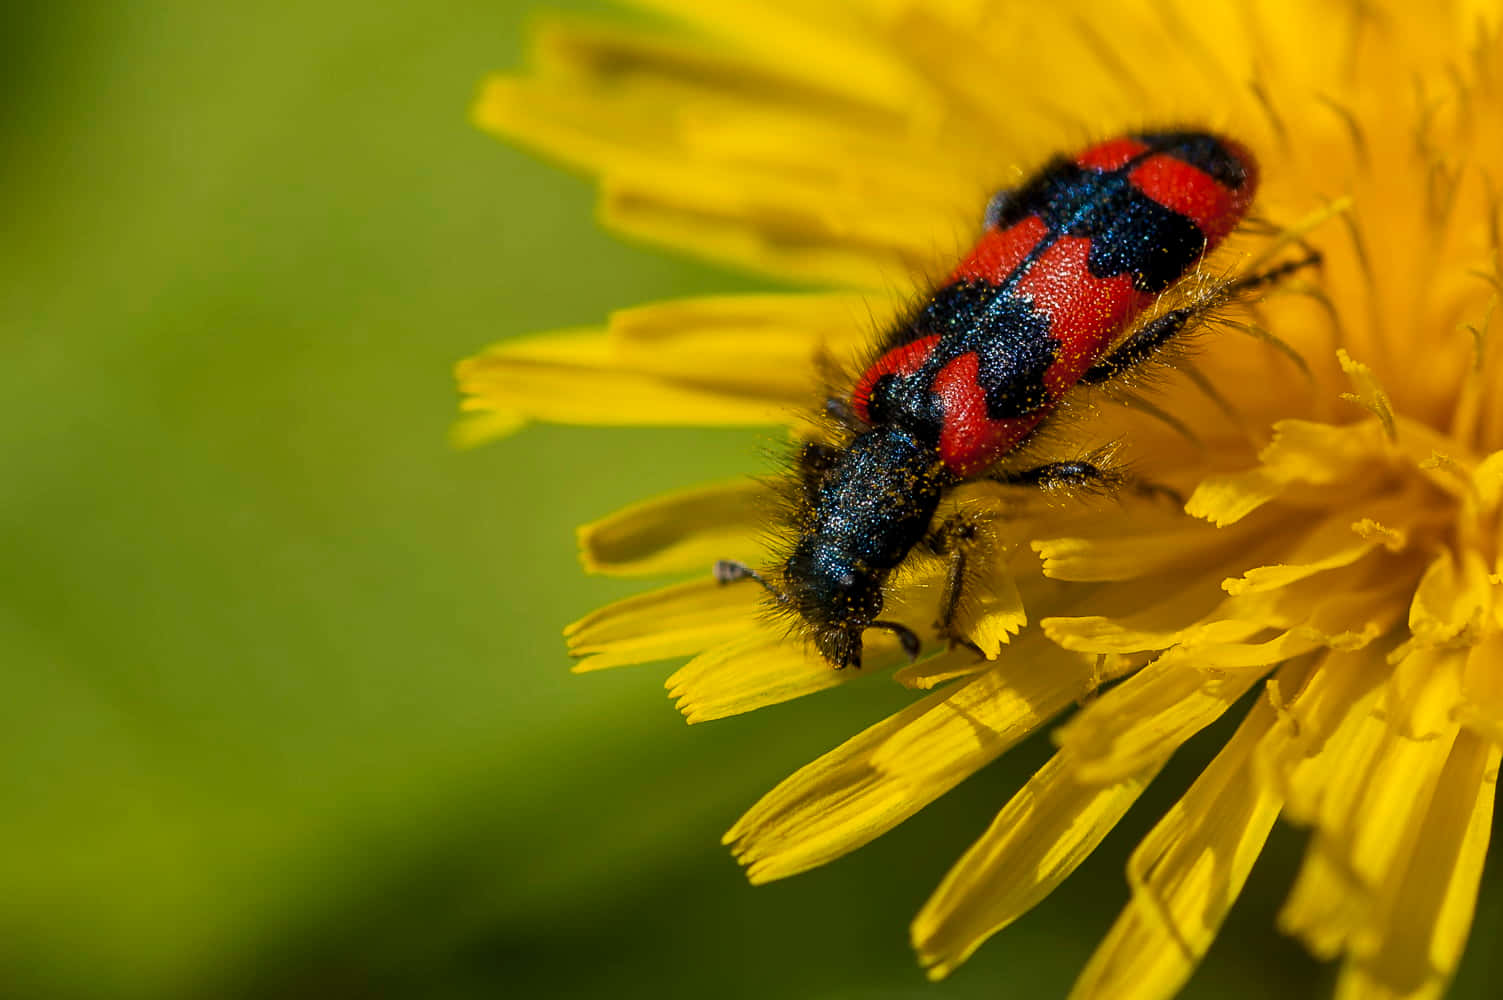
point(1046, 301)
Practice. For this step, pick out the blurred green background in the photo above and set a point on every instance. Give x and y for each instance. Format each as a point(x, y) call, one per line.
point(286, 711)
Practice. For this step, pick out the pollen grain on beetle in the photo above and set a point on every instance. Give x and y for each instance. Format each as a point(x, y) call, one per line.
point(1302, 486)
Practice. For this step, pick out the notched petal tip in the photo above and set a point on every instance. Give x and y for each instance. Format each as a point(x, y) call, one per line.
point(752, 672)
point(1040, 837)
point(876, 780)
point(1225, 500)
point(1302, 453)
point(993, 615)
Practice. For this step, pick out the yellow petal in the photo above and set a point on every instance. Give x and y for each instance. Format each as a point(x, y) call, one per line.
point(478, 428)
point(1413, 704)
point(1355, 983)
point(1187, 873)
point(1131, 556)
point(1143, 720)
point(1042, 835)
point(832, 45)
point(1331, 544)
point(1369, 823)
point(1306, 755)
point(679, 532)
point(1227, 499)
point(1174, 608)
point(1344, 608)
point(951, 665)
point(593, 388)
point(765, 339)
point(1302, 452)
point(1464, 808)
point(763, 669)
point(660, 624)
point(840, 157)
point(1482, 688)
point(1424, 908)
point(568, 121)
point(873, 782)
point(1488, 477)
point(1111, 635)
point(716, 361)
point(1423, 692)
point(771, 225)
point(618, 93)
point(991, 615)
point(645, 114)
point(780, 164)
point(1325, 904)
point(932, 33)
point(1212, 662)
point(1442, 461)
point(1451, 601)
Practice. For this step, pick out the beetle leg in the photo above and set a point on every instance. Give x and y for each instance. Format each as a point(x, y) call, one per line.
point(1148, 339)
point(1054, 475)
point(950, 539)
point(1145, 342)
point(1087, 476)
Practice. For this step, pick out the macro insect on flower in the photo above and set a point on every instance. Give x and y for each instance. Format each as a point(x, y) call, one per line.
point(1331, 589)
point(1044, 303)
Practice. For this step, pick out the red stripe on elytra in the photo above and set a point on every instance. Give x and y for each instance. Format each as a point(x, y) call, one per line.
point(970, 441)
point(902, 360)
point(1112, 154)
point(1195, 194)
point(1086, 313)
point(999, 252)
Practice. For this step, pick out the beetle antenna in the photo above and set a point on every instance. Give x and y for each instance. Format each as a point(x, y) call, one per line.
point(730, 571)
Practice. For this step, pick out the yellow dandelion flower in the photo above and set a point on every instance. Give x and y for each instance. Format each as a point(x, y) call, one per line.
point(1337, 559)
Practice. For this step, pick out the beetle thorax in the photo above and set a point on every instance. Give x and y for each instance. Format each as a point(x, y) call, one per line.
point(872, 505)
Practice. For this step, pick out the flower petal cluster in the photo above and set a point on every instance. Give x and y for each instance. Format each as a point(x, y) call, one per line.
point(1334, 574)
